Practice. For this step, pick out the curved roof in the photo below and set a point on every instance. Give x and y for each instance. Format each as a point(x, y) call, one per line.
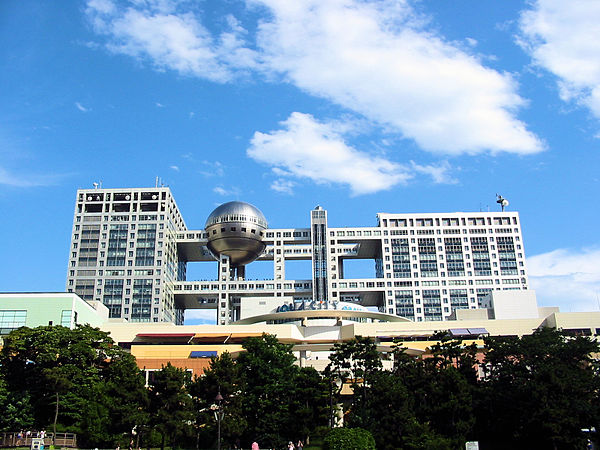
point(321, 314)
point(236, 212)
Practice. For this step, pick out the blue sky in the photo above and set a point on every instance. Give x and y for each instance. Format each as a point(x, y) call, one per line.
point(362, 107)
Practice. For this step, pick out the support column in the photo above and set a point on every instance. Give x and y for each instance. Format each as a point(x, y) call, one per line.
point(223, 306)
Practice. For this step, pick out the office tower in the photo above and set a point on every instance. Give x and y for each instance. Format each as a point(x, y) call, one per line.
point(124, 252)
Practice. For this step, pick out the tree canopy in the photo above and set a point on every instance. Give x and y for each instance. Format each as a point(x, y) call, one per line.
point(537, 391)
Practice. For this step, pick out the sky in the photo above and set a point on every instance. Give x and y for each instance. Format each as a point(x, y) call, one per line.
point(358, 106)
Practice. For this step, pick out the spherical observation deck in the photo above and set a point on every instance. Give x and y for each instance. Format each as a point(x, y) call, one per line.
point(236, 229)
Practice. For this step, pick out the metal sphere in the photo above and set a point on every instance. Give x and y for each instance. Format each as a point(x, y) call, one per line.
point(236, 229)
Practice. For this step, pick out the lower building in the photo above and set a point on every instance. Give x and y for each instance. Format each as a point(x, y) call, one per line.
point(312, 333)
point(34, 309)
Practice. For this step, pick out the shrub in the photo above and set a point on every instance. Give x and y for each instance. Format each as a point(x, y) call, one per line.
point(349, 439)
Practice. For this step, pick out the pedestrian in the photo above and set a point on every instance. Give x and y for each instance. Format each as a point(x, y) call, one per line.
point(255, 446)
point(291, 446)
point(300, 445)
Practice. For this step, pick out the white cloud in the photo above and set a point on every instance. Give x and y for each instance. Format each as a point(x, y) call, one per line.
point(567, 278)
point(309, 149)
point(175, 168)
point(80, 107)
point(170, 38)
point(233, 191)
point(561, 37)
point(25, 180)
point(159, 105)
point(376, 59)
point(212, 169)
point(439, 173)
point(283, 186)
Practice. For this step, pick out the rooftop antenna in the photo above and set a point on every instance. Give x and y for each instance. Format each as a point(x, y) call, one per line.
point(156, 182)
point(95, 185)
point(501, 201)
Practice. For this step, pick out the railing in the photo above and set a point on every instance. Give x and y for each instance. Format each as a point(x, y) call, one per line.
point(16, 439)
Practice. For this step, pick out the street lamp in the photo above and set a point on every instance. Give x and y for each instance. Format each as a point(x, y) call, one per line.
point(218, 417)
point(334, 381)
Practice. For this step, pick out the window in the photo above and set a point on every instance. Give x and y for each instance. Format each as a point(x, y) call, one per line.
point(65, 318)
point(11, 320)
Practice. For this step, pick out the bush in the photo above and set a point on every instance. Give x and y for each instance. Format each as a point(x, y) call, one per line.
point(349, 439)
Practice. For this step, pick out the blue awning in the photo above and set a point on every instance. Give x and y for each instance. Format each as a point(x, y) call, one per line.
point(202, 354)
point(478, 331)
point(459, 332)
point(468, 331)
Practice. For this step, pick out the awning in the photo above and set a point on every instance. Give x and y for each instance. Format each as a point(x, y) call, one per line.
point(202, 354)
point(459, 332)
point(478, 331)
point(165, 335)
point(467, 331)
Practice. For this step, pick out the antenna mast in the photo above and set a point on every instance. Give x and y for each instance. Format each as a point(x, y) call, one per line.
point(501, 201)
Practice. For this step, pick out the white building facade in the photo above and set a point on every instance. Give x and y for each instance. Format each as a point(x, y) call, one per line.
point(124, 252)
point(426, 265)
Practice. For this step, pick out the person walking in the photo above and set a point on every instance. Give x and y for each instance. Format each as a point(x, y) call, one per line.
point(300, 445)
point(291, 446)
point(255, 446)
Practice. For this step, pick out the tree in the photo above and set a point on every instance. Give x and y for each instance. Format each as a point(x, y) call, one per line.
point(122, 400)
point(309, 402)
point(356, 362)
point(268, 371)
point(277, 393)
point(266, 396)
point(57, 377)
point(222, 376)
point(170, 405)
point(17, 412)
point(539, 391)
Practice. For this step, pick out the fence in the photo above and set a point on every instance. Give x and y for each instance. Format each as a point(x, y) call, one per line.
point(16, 439)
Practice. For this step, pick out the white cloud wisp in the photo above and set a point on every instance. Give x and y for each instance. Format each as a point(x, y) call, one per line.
point(567, 278)
point(308, 149)
point(375, 59)
point(170, 38)
point(559, 36)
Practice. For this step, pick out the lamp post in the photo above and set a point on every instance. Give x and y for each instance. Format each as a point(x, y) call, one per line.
point(334, 381)
point(219, 417)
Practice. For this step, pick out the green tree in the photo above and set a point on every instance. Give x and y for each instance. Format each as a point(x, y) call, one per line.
point(309, 402)
point(57, 377)
point(222, 376)
point(121, 400)
point(171, 409)
point(539, 391)
point(276, 393)
point(356, 362)
point(268, 371)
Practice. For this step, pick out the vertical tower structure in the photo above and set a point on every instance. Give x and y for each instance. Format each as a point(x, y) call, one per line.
point(124, 252)
point(318, 225)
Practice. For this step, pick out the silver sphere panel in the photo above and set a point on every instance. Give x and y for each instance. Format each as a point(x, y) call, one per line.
point(236, 229)
point(236, 212)
point(241, 250)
